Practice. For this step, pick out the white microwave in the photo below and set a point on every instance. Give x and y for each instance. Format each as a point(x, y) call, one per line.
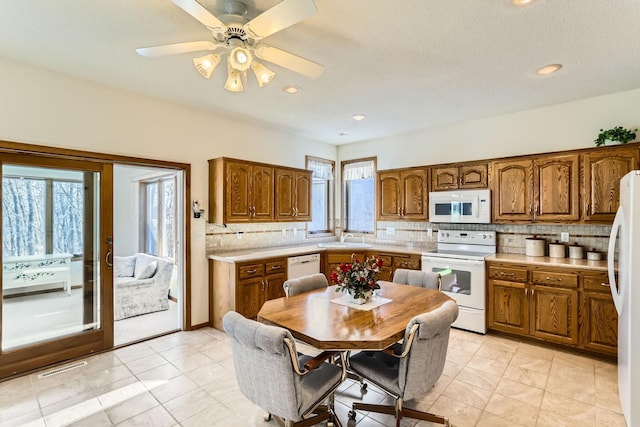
point(460, 206)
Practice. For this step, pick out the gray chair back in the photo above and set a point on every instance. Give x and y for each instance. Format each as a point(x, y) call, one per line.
point(422, 367)
point(263, 365)
point(304, 284)
point(424, 279)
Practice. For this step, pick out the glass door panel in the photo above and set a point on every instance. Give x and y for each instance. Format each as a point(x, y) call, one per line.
point(55, 249)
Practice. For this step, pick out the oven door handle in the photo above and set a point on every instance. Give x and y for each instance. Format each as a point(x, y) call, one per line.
point(452, 261)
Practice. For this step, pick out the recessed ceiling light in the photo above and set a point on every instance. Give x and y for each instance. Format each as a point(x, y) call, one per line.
point(291, 89)
point(549, 69)
point(342, 134)
point(358, 117)
point(522, 2)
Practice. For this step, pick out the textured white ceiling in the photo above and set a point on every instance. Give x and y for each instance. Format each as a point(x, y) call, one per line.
point(408, 65)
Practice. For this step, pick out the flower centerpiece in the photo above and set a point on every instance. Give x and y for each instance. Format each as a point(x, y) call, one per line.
point(359, 279)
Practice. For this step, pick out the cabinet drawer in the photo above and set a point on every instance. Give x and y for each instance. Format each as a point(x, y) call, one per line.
point(510, 274)
point(276, 266)
point(411, 263)
point(386, 260)
point(251, 270)
point(596, 283)
point(555, 279)
point(340, 257)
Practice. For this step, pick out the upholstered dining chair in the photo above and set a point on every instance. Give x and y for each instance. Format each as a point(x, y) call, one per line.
point(423, 279)
point(272, 375)
point(305, 284)
point(409, 370)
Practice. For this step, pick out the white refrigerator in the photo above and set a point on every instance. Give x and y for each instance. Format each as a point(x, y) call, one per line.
point(626, 294)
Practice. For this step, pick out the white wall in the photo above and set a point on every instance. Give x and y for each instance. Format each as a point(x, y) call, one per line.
point(558, 127)
point(45, 108)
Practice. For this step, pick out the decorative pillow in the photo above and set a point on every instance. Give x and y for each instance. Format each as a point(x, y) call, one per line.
point(148, 271)
point(123, 266)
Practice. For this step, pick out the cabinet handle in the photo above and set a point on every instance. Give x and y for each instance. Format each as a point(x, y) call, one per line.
point(295, 211)
point(526, 293)
point(607, 285)
point(503, 274)
point(532, 292)
point(276, 267)
point(251, 271)
point(559, 279)
point(266, 284)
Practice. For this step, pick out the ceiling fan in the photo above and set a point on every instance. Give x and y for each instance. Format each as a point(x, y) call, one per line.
point(235, 35)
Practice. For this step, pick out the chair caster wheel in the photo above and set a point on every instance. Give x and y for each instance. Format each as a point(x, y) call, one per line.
point(330, 424)
point(363, 387)
point(352, 415)
point(266, 417)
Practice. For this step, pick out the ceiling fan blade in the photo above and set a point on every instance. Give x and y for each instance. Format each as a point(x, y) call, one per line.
point(172, 49)
point(195, 9)
point(279, 17)
point(289, 60)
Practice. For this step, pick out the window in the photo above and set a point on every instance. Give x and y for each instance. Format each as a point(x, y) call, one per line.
point(358, 194)
point(158, 216)
point(41, 215)
point(322, 179)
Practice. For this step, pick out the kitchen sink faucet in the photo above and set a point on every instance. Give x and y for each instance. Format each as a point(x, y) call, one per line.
point(343, 237)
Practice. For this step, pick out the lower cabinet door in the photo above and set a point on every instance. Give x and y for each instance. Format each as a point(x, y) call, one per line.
point(599, 323)
point(275, 287)
point(249, 297)
point(554, 314)
point(508, 307)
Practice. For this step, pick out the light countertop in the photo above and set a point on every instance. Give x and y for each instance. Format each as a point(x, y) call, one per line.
point(549, 262)
point(287, 251)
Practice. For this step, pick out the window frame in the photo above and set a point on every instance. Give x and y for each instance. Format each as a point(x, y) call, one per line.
point(344, 194)
point(142, 218)
point(48, 209)
point(331, 198)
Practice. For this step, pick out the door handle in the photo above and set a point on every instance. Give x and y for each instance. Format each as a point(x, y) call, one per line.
point(108, 258)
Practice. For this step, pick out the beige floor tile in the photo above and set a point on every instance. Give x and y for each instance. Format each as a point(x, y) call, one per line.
point(576, 382)
point(465, 345)
point(133, 352)
point(156, 417)
point(519, 391)
point(146, 363)
point(63, 391)
point(607, 396)
point(16, 386)
point(568, 408)
point(131, 407)
point(451, 369)
point(100, 378)
point(161, 373)
point(100, 362)
point(490, 420)
point(74, 413)
point(99, 419)
point(459, 356)
point(21, 404)
point(507, 343)
point(31, 419)
point(537, 351)
point(208, 373)
point(513, 410)
point(479, 379)
point(459, 413)
point(495, 351)
point(606, 418)
point(170, 389)
point(190, 404)
point(179, 351)
point(531, 362)
point(217, 415)
point(572, 359)
point(552, 419)
point(487, 365)
point(474, 396)
point(526, 376)
point(191, 362)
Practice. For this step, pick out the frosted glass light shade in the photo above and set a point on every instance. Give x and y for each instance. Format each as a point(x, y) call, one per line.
point(262, 73)
point(240, 59)
point(206, 64)
point(235, 79)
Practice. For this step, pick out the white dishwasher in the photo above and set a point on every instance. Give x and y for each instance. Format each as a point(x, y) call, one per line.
point(303, 265)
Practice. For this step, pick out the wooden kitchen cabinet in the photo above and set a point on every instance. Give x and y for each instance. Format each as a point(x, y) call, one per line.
point(391, 261)
point(403, 194)
point(333, 260)
point(242, 191)
point(567, 306)
point(244, 287)
point(292, 195)
point(468, 175)
point(603, 169)
point(544, 189)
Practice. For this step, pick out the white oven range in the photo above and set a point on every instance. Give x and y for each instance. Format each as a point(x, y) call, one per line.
point(459, 259)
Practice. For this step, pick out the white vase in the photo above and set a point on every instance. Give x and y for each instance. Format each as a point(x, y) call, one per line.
point(610, 142)
point(361, 300)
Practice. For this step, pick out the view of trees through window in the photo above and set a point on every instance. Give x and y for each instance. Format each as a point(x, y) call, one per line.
point(41, 216)
point(158, 205)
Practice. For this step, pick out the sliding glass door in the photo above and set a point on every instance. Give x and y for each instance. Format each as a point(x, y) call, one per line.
point(56, 260)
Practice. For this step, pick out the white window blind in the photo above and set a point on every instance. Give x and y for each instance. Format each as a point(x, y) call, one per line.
point(358, 170)
point(321, 170)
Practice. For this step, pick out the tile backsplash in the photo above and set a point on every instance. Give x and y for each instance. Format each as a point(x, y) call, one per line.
point(510, 237)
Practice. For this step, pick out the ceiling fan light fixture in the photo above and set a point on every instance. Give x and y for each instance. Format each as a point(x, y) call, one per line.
point(206, 64)
point(240, 59)
point(235, 80)
point(262, 73)
point(291, 89)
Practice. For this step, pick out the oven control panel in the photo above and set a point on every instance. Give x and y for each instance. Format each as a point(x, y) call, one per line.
point(467, 237)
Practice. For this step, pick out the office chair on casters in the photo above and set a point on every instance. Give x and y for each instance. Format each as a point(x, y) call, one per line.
point(409, 370)
point(271, 375)
point(423, 279)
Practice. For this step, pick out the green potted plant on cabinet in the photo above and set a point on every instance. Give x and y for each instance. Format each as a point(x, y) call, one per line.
point(616, 135)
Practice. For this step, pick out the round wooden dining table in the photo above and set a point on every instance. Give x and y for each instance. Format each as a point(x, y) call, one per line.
point(313, 318)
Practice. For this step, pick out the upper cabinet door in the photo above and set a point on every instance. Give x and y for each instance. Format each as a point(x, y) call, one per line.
point(303, 195)
point(473, 176)
point(512, 185)
point(601, 185)
point(556, 188)
point(262, 193)
point(285, 194)
point(389, 196)
point(238, 194)
point(415, 194)
point(444, 178)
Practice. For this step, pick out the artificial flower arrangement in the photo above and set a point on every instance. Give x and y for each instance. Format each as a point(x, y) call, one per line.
point(357, 278)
